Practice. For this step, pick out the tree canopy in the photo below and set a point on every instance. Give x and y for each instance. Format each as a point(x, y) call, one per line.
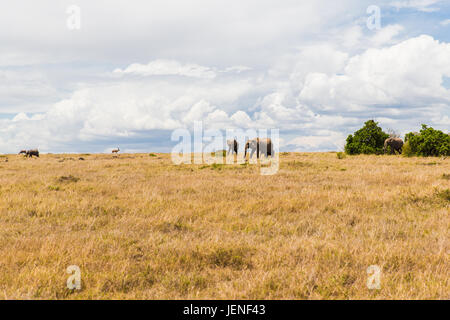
point(429, 142)
point(367, 140)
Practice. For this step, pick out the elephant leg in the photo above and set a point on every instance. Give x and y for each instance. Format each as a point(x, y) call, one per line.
point(251, 154)
point(269, 150)
point(264, 150)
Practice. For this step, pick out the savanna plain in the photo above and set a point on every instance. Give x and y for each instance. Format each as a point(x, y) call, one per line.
point(140, 227)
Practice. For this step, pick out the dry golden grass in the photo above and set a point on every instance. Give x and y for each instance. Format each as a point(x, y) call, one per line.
point(140, 227)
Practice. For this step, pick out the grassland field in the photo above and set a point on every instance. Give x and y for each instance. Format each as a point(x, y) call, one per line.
point(140, 227)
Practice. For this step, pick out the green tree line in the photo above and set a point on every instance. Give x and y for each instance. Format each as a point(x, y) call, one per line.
point(370, 140)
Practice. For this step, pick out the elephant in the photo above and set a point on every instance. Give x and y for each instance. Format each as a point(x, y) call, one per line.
point(263, 146)
point(395, 144)
point(30, 153)
point(233, 146)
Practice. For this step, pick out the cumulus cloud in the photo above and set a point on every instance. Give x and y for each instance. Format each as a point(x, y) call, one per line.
point(125, 109)
point(385, 35)
point(410, 72)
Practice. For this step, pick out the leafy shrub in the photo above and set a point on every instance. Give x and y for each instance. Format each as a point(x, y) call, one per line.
point(429, 142)
point(406, 150)
point(340, 155)
point(367, 140)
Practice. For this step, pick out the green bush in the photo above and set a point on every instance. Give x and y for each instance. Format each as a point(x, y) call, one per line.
point(406, 150)
point(367, 140)
point(429, 142)
point(340, 155)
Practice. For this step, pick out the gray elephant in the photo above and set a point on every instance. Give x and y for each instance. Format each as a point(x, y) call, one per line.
point(394, 144)
point(233, 146)
point(30, 153)
point(263, 146)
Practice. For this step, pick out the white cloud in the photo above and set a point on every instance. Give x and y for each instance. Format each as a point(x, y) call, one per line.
point(445, 22)
point(385, 35)
point(323, 58)
point(164, 67)
point(126, 109)
point(237, 69)
point(330, 141)
point(168, 67)
point(23, 90)
point(410, 72)
point(198, 111)
point(421, 5)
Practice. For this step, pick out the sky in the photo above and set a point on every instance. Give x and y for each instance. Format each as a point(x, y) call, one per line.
point(90, 76)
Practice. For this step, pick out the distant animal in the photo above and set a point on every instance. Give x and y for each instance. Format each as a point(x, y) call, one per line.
point(233, 146)
point(30, 153)
point(263, 146)
point(115, 150)
point(393, 144)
